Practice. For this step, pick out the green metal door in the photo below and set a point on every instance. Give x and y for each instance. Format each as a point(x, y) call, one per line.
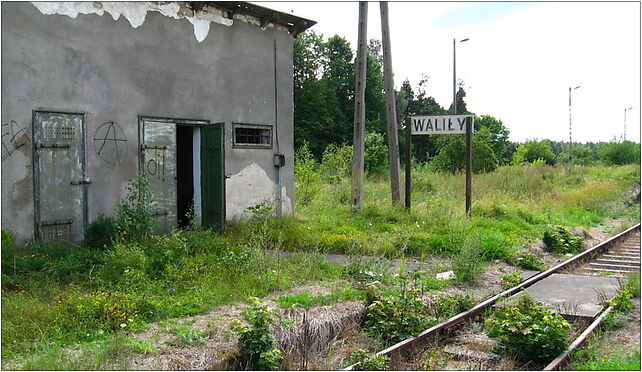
point(213, 176)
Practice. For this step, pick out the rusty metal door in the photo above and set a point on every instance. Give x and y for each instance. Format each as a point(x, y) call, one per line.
point(158, 161)
point(59, 176)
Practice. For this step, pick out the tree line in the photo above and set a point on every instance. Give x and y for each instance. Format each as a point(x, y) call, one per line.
point(324, 80)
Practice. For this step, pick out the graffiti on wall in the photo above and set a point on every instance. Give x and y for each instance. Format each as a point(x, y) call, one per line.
point(110, 143)
point(14, 136)
point(155, 162)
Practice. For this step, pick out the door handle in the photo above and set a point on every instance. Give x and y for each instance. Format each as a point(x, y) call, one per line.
point(81, 182)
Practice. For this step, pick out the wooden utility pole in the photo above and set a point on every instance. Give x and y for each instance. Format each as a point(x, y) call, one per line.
point(359, 111)
point(391, 107)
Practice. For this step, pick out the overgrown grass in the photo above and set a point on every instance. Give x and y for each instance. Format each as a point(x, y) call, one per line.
point(592, 358)
point(58, 295)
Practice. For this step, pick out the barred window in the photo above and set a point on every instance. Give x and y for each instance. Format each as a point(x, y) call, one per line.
point(252, 135)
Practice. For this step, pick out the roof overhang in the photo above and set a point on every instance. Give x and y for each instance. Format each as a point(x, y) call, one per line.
point(294, 24)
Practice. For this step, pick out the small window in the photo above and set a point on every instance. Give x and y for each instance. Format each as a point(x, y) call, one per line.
point(252, 135)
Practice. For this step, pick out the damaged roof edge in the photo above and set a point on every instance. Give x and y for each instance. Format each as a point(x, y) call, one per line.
point(294, 24)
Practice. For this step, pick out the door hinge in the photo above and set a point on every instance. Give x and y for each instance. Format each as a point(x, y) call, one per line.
point(56, 222)
point(81, 182)
point(154, 147)
point(40, 145)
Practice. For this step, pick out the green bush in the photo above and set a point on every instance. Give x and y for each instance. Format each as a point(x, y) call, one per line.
point(622, 301)
point(306, 175)
point(532, 151)
point(100, 232)
point(511, 280)
point(336, 163)
point(528, 331)
point(134, 221)
point(256, 344)
point(560, 240)
point(368, 361)
point(451, 157)
point(468, 264)
point(528, 260)
point(375, 157)
point(125, 264)
point(619, 153)
point(395, 316)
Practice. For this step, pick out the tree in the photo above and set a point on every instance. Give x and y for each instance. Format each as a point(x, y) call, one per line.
point(339, 78)
point(534, 150)
point(375, 90)
point(452, 153)
point(311, 117)
point(626, 152)
point(461, 104)
point(582, 154)
point(498, 135)
point(419, 104)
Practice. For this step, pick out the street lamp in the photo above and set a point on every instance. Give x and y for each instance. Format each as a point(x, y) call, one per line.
point(455, 73)
point(570, 132)
point(624, 135)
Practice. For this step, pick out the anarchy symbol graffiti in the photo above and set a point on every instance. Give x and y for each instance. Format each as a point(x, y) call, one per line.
point(110, 143)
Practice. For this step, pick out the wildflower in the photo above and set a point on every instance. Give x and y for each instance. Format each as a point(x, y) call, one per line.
point(123, 325)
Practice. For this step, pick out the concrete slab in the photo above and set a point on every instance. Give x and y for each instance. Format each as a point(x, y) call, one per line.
point(573, 295)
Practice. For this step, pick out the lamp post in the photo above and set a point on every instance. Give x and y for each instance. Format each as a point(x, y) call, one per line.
point(570, 131)
point(455, 73)
point(624, 134)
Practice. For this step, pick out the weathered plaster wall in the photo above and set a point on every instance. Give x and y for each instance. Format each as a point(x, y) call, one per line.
point(114, 72)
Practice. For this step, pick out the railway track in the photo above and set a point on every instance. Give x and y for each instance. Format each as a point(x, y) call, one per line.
point(612, 260)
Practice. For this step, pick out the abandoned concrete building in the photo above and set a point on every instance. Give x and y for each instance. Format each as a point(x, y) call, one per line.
point(197, 95)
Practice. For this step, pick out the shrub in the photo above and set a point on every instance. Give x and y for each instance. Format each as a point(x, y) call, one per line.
point(452, 154)
point(529, 260)
point(468, 264)
point(368, 361)
point(134, 219)
point(100, 232)
point(396, 316)
point(560, 240)
point(511, 280)
point(633, 284)
point(528, 330)
point(622, 301)
point(532, 151)
point(256, 344)
point(621, 153)
point(124, 264)
point(307, 175)
point(336, 163)
point(375, 155)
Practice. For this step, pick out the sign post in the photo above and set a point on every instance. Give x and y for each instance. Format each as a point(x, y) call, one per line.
point(441, 124)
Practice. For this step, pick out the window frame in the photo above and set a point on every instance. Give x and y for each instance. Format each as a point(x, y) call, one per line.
point(242, 145)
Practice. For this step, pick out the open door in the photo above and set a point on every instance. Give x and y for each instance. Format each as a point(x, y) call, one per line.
point(213, 176)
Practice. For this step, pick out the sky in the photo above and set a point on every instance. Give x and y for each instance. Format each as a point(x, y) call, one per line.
point(519, 61)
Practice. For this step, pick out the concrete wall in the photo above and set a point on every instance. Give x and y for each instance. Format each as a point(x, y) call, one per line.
point(114, 72)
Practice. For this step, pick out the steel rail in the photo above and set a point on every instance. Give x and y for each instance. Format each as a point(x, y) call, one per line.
point(396, 349)
point(557, 362)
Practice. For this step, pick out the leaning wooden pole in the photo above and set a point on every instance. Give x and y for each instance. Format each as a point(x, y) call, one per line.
point(359, 111)
point(391, 107)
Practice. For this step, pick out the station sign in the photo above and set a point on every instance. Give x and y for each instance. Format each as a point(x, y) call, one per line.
point(439, 124)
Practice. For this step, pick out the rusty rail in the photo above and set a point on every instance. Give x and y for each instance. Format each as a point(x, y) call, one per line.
point(557, 362)
point(398, 348)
